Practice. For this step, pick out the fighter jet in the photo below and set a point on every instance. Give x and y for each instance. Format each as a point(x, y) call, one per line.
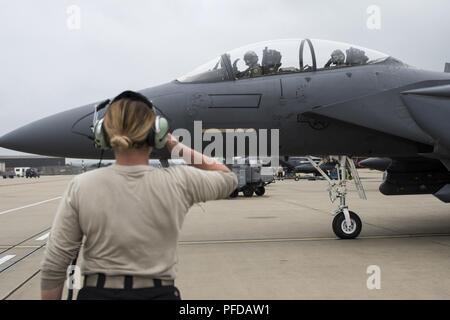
point(325, 97)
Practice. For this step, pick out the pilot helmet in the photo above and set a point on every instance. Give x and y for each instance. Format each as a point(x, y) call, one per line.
point(338, 57)
point(250, 57)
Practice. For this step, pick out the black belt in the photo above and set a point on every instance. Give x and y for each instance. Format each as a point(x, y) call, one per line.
point(101, 281)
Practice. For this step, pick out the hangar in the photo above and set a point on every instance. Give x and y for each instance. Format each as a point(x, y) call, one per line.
point(31, 161)
point(18, 164)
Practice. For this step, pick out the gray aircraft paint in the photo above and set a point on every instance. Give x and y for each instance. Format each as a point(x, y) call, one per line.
point(386, 109)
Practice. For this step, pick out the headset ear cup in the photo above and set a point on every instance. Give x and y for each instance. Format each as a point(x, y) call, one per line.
point(100, 139)
point(161, 132)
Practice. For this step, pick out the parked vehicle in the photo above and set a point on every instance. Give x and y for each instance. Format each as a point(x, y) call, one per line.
point(8, 174)
point(32, 173)
point(251, 179)
point(20, 171)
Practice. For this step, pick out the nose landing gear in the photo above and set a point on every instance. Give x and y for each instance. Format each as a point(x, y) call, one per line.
point(346, 224)
point(345, 230)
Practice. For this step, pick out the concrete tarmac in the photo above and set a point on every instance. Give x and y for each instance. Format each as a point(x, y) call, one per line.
point(279, 246)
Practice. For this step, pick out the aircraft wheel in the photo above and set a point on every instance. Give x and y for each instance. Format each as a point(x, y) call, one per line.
point(260, 191)
point(248, 192)
point(340, 228)
point(234, 194)
point(296, 178)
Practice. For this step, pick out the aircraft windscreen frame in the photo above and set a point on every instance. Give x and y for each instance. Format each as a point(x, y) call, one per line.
point(283, 56)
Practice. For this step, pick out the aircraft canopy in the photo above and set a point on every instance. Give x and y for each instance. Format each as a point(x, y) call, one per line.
point(281, 57)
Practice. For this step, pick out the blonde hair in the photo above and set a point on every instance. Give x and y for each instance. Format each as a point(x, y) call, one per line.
point(127, 124)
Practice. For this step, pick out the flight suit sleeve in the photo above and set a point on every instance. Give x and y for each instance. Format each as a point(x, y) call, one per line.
point(202, 185)
point(64, 241)
point(257, 71)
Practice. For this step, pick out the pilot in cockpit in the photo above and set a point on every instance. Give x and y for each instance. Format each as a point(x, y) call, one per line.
point(337, 59)
point(254, 68)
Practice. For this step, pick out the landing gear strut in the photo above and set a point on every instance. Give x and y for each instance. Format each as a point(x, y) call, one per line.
point(346, 224)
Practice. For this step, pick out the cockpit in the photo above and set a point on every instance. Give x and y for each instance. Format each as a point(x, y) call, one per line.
point(282, 57)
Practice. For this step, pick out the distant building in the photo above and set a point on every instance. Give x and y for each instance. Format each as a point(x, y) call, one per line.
point(31, 161)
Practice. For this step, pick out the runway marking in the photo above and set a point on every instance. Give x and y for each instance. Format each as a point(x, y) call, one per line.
point(6, 258)
point(394, 236)
point(381, 237)
point(30, 205)
point(19, 247)
point(21, 285)
point(29, 183)
point(22, 258)
point(43, 237)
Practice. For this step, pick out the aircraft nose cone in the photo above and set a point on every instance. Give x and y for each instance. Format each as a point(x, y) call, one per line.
point(29, 139)
point(5, 141)
point(65, 134)
point(34, 138)
point(69, 134)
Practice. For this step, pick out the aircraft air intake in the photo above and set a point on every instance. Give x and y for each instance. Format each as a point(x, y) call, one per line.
point(430, 108)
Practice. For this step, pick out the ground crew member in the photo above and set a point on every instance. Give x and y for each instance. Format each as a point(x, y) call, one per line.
point(129, 214)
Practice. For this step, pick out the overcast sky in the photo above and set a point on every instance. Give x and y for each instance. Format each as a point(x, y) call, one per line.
point(49, 65)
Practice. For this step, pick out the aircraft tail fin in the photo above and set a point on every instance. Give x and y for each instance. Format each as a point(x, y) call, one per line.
point(447, 67)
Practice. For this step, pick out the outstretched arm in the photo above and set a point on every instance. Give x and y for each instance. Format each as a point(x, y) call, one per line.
point(193, 157)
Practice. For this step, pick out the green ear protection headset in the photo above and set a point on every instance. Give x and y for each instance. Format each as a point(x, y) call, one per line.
point(157, 136)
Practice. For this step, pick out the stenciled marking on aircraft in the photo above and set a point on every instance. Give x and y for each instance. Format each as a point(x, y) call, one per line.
point(313, 123)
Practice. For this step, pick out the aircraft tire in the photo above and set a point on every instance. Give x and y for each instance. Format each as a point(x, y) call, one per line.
point(248, 192)
point(234, 194)
point(340, 227)
point(260, 191)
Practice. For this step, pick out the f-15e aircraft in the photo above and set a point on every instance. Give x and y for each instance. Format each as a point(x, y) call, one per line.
point(325, 97)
